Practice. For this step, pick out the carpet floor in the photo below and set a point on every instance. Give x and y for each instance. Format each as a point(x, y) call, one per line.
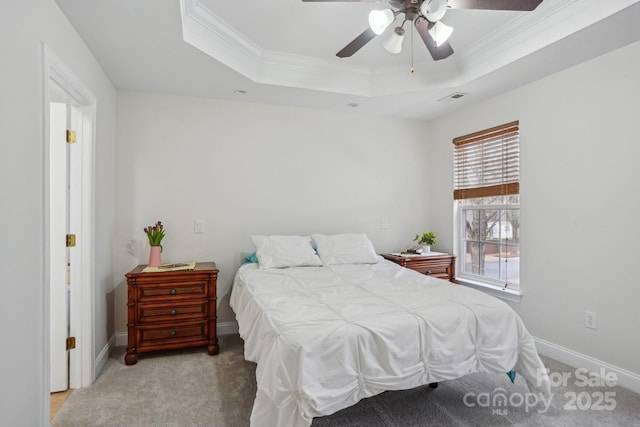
point(190, 388)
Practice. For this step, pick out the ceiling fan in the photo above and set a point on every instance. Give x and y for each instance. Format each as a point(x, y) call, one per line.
point(426, 16)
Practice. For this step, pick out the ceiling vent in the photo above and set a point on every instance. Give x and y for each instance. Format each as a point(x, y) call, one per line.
point(453, 97)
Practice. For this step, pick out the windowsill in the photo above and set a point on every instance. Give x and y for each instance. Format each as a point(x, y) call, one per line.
point(505, 294)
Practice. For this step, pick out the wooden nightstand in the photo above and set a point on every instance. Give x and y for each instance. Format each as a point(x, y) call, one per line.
point(171, 310)
point(441, 266)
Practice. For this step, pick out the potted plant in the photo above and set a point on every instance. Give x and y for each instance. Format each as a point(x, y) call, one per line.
point(155, 234)
point(425, 241)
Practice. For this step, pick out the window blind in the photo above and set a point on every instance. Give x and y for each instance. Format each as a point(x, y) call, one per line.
point(487, 163)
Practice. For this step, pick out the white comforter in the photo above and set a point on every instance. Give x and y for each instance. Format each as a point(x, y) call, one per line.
point(324, 338)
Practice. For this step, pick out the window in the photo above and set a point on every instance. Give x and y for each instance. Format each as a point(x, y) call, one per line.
point(486, 190)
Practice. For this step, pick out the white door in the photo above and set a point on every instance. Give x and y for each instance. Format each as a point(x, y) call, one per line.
point(59, 217)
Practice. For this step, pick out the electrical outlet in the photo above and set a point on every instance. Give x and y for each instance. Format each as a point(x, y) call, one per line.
point(590, 320)
point(198, 226)
point(384, 224)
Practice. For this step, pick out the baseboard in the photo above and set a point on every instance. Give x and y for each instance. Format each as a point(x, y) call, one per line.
point(224, 328)
point(103, 356)
point(227, 328)
point(122, 339)
point(625, 378)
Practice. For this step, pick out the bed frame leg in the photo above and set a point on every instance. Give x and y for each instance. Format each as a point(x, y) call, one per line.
point(433, 385)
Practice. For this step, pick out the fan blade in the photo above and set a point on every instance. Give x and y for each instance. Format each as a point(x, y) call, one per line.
point(357, 43)
point(495, 4)
point(437, 52)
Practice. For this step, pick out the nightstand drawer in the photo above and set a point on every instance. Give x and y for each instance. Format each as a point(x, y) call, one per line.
point(167, 334)
point(442, 266)
point(441, 271)
point(154, 313)
point(171, 291)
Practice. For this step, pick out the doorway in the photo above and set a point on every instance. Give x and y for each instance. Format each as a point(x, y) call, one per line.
point(69, 300)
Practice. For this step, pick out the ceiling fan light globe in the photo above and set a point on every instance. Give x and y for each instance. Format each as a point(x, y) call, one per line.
point(393, 43)
point(440, 33)
point(379, 20)
point(433, 10)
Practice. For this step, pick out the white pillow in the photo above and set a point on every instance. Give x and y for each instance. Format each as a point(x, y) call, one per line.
point(345, 249)
point(285, 251)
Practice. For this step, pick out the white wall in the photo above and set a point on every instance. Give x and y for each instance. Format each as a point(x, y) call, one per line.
point(248, 169)
point(24, 26)
point(580, 235)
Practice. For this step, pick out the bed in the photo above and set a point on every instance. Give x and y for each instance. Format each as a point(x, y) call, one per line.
point(328, 332)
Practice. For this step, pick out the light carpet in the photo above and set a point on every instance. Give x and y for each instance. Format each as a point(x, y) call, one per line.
point(190, 388)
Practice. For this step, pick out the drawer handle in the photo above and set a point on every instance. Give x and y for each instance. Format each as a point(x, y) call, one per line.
point(172, 333)
point(428, 272)
point(173, 312)
point(172, 291)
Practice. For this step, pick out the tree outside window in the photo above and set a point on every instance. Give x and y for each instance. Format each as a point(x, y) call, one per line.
point(491, 238)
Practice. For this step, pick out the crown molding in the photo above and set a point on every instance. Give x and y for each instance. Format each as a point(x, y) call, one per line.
point(311, 73)
point(205, 31)
point(525, 34)
point(528, 33)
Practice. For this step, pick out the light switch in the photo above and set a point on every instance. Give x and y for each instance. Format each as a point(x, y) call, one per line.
point(198, 226)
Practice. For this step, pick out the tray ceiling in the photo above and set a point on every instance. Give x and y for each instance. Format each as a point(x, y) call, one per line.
point(283, 51)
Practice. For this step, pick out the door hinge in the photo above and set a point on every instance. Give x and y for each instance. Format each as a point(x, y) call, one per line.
point(71, 240)
point(71, 343)
point(71, 136)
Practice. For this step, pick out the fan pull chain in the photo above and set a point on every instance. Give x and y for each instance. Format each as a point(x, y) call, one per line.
point(412, 69)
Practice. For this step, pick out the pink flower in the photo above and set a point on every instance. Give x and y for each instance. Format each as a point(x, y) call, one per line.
point(155, 234)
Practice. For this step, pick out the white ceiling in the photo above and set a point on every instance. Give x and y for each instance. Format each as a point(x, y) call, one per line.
point(283, 51)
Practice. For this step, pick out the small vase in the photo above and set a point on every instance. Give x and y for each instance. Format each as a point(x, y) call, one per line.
point(425, 249)
point(154, 256)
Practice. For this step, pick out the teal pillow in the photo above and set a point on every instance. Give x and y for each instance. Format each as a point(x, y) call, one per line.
point(252, 258)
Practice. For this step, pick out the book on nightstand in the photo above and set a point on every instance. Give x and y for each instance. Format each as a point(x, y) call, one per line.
point(411, 254)
point(170, 267)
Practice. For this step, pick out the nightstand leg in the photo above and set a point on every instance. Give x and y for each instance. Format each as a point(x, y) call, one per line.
point(213, 348)
point(131, 358)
